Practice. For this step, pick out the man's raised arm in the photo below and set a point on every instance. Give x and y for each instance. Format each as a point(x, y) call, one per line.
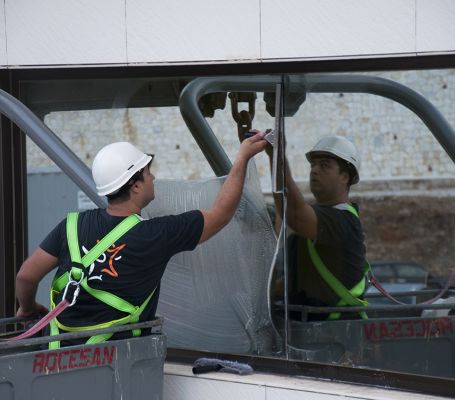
point(227, 201)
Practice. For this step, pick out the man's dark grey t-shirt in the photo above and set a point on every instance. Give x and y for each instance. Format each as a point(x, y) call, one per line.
point(340, 245)
point(131, 269)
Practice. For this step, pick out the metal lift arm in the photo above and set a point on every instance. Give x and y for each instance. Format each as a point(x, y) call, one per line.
point(308, 83)
point(47, 141)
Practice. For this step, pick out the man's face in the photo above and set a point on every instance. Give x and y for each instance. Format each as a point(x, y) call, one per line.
point(149, 187)
point(327, 182)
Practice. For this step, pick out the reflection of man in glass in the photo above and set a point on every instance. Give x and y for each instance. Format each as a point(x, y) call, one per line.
point(327, 252)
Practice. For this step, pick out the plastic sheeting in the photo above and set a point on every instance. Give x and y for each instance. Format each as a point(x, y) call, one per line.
point(215, 297)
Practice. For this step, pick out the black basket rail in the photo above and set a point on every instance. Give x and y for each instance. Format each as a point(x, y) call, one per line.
point(155, 325)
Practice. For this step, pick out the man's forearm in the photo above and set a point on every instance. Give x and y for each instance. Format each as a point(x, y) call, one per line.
point(228, 198)
point(226, 202)
point(294, 196)
point(25, 293)
point(30, 274)
point(230, 193)
point(295, 199)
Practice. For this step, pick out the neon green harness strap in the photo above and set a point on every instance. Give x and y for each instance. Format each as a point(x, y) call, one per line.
point(352, 210)
point(347, 297)
point(102, 245)
point(77, 273)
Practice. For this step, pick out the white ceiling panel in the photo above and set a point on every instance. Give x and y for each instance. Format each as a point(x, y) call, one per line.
point(435, 25)
point(325, 28)
point(197, 30)
point(49, 32)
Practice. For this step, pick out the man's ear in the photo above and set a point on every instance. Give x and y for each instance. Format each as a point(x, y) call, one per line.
point(346, 178)
point(134, 188)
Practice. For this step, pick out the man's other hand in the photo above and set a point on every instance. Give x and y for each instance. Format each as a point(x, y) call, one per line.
point(252, 145)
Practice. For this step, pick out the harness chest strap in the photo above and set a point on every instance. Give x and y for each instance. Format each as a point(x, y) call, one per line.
point(77, 273)
point(347, 297)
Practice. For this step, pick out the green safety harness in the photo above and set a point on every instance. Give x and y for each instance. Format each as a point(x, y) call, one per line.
point(77, 277)
point(347, 297)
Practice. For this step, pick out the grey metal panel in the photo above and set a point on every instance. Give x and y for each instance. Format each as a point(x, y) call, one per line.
point(427, 344)
point(121, 369)
point(50, 197)
point(47, 96)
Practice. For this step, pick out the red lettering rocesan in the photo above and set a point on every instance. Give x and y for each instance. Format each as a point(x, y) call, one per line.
point(61, 366)
point(85, 357)
point(65, 359)
point(407, 328)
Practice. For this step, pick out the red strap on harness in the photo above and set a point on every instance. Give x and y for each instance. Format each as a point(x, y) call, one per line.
point(59, 308)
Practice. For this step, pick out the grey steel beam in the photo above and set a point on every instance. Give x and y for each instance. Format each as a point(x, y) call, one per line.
point(47, 141)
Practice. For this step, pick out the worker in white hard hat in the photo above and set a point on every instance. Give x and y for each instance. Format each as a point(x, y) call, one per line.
point(327, 250)
point(115, 257)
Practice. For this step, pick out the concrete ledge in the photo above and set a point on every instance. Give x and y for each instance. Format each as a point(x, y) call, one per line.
point(181, 384)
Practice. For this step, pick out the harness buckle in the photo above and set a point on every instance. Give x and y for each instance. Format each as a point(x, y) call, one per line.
point(72, 282)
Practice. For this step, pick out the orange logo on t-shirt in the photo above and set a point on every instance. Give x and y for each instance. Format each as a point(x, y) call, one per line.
point(115, 250)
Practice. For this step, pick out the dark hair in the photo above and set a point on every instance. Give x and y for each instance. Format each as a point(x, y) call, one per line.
point(123, 193)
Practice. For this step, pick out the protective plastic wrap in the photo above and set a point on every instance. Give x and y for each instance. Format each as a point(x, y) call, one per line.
point(215, 297)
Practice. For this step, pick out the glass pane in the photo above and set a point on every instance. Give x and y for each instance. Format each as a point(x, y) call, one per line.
point(384, 272)
point(223, 286)
point(215, 297)
point(231, 295)
point(411, 273)
point(403, 170)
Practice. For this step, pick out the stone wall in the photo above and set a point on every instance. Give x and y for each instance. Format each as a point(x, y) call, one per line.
point(393, 143)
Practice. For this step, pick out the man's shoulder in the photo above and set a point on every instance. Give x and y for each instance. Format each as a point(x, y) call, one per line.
point(173, 218)
point(327, 210)
point(89, 213)
point(344, 209)
point(340, 216)
point(188, 218)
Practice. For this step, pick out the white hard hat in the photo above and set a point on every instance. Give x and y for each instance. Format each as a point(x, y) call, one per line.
point(340, 147)
point(115, 164)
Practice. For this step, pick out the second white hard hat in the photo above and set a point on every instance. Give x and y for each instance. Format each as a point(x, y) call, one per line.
point(115, 164)
point(340, 147)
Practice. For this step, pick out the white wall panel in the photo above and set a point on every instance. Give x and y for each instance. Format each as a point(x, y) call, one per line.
point(55, 32)
point(66, 32)
point(286, 394)
point(197, 30)
point(435, 25)
point(180, 384)
point(196, 388)
point(3, 57)
point(324, 28)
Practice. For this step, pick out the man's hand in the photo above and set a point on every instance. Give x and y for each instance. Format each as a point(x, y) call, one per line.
point(252, 145)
